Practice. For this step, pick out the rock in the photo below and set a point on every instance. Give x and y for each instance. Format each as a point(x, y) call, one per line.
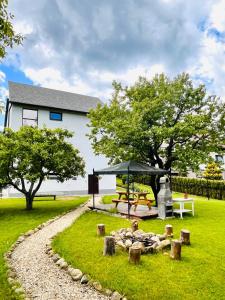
point(30, 232)
point(76, 274)
point(116, 296)
point(113, 233)
point(122, 230)
point(97, 286)
point(60, 261)
point(84, 279)
point(49, 248)
point(108, 292)
point(166, 244)
point(11, 280)
point(9, 254)
point(138, 232)
point(19, 291)
point(55, 257)
point(139, 245)
point(121, 245)
point(128, 243)
point(63, 265)
point(128, 234)
point(21, 239)
point(117, 238)
point(155, 238)
point(162, 236)
point(11, 274)
point(51, 253)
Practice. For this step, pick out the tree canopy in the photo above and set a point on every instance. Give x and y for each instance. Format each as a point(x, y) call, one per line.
point(8, 37)
point(29, 156)
point(163, 122)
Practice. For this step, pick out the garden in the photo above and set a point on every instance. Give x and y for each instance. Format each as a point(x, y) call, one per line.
point(199, 275)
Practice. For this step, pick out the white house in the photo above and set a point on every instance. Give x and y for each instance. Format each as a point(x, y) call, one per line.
point(32, 105)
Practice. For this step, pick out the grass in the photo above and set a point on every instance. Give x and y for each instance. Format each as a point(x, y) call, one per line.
point(15, 220)
point(199, 275)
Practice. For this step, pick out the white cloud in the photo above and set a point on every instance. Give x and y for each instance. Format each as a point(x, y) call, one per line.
point(82, 46)
point(217, 16)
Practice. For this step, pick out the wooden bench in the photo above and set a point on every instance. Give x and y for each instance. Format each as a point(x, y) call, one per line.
point(46, 195)
point(147, 202)
point(117, 201)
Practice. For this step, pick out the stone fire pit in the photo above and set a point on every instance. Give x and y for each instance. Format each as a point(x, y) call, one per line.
point(149, 242)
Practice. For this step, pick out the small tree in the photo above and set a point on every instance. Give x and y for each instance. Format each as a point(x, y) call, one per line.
point(30, 155)
point(213, 172)
point(8, 37)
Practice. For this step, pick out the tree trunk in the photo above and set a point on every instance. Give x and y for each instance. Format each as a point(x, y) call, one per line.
point(101, 229)
point(153, 185)
point(109, 245)
point(176, 250)
point(29, 202)
point(134, 255)
point(185, 237)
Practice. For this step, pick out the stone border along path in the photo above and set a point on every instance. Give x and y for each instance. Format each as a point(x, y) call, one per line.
point(41, 278)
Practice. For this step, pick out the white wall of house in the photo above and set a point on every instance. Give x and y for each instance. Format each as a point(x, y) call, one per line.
point(78, 124)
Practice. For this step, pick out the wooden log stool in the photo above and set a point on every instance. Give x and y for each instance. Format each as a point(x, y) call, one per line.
point(185, 237)
point(175, 250)
point(134, 225)
point(169, 230)
point(101, 229)
point(109, 246)
point(134, 254)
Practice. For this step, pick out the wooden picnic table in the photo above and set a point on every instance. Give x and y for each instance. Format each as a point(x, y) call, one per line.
point(136, 198)
point(138, 195)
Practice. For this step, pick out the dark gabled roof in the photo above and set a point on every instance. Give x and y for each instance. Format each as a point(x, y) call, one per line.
point(44, 97)
point(132, 167)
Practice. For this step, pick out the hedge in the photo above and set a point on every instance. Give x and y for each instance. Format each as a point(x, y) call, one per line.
point(209, 188)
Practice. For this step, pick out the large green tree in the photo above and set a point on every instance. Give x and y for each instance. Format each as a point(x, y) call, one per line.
point(162, 122)
point(30, 155)
point(8, 36)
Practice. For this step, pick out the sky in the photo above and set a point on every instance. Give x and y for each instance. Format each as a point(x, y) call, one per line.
point(82, 46)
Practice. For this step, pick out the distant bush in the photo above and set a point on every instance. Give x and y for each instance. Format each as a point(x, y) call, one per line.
point(213, 172)
point(202, 187)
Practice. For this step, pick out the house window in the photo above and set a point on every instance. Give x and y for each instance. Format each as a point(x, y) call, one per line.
point(30, 117)
point(55, 116)
point(219, 158)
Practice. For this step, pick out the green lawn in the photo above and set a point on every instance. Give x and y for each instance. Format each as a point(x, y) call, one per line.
point(15, 220)
point(199, 275)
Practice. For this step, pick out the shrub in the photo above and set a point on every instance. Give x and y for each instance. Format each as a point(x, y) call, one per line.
point(213, 172)
point(202, 187)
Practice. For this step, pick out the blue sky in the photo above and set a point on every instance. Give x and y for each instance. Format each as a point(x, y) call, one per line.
point(82, 46)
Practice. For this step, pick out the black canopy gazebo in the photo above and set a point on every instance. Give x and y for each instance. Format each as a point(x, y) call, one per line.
point(130, 168)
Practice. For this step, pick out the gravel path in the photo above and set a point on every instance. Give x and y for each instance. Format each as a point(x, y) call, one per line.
point(40, 277)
